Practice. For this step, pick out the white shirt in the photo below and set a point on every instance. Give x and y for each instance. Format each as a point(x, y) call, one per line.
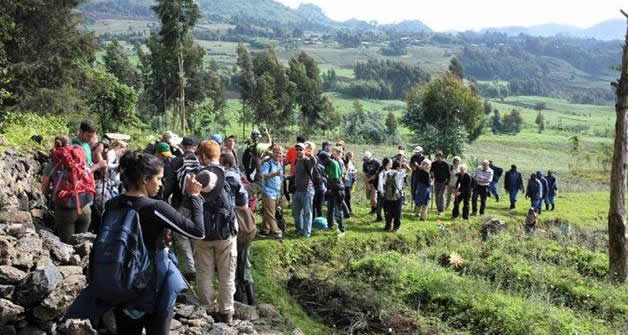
point(483, 178)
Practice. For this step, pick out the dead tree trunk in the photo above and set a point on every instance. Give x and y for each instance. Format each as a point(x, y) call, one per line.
point(617, 232)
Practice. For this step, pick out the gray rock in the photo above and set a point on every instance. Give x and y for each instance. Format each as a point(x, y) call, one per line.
point(245, 312)
point(75, 260)
point(15, 216)
point(174, 325)
point(7, 249)
point(6, 291)
point(244, 327)
point(59, 250)
point(38, 285)
point(77, 327)
point(31, 331)
point(42, 262)
point(84, 248)
point(297, 331)
point(58, 301)
point(222, 329)
point(9, 311)
point(70, 270)
point(27, 249)
point(17, 230)
point(10, 275)
point(184, 310)
point(83, 237)
point(268, 311)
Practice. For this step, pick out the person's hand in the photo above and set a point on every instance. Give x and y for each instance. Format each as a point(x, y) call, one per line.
point(458, 194)
point(192, 187)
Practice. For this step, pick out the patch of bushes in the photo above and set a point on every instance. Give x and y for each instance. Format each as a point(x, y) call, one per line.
point(17, 130)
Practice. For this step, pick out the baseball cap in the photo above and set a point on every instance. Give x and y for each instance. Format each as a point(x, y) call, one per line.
point(163, 148)
point(189, 141)
point(217, 138)
point(172, 137)
point(255, 134)
point(418, 148)
point(300, 145)
point(368, 155)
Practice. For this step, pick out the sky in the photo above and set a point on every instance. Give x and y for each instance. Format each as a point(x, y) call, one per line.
point(445, 15)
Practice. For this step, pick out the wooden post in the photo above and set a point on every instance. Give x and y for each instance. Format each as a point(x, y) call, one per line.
point(617, 232)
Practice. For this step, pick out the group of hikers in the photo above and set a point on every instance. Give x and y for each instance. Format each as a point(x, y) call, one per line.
point(201, 197)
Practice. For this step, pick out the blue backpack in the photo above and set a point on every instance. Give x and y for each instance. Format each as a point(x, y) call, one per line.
point(120, 265)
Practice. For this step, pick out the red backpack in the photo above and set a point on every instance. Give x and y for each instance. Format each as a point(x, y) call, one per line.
point(72, 180)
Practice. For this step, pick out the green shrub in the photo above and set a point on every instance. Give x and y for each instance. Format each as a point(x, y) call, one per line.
point(17, 129)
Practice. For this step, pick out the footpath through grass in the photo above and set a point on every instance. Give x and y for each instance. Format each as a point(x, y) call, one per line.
point(442, 277)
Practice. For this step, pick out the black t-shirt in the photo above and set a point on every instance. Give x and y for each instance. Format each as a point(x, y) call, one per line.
point(440, 170)
point(156, 216)
point(423, 177)
point(464, 184)
point(416, 159)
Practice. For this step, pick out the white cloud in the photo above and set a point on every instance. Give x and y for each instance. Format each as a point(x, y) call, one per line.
point(446, 15)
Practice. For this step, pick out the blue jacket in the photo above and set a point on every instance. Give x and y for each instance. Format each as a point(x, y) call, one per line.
point(158, 298)
point(551, 185)
point(534, 189)
point(544, 185)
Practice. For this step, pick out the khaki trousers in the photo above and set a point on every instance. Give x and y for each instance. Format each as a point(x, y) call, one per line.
point(221, 255)
point(270, 223)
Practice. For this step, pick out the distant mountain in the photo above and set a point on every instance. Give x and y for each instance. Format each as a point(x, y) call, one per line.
point(408, 26)
point(314, 13)
point(607, 30)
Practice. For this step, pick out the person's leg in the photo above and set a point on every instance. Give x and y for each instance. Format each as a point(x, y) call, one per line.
point(270, 222)
point(547, 203)
point(465, 207)
point(551, 201)
point(331, 208)
point(318, 205)
point(513, 198)
point(307, 213)
point(474, 201)
point(130, 326)
point(389, 217)
point(226, 255)
point(439, 189)
point(450, 197)
point(204, 260)
point(492, 189)
point(380, 205)
point(340, 210)
point(456, 211)
point(158, 324)
point(297, 210)
point(424, 212)
point(397, 205)
point(83, 221)
point(65, 223)
point(348, 200)
point(483, 196)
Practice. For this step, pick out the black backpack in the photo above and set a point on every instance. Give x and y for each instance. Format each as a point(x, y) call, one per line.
point(281, 222)
point(250, 162)
point(219, 210)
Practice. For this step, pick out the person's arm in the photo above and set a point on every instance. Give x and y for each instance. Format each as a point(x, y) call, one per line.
point(170, 183)
point(266, 174)
point(192, 228)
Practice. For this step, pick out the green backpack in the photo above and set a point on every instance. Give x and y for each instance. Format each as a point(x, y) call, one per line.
point(391, 192)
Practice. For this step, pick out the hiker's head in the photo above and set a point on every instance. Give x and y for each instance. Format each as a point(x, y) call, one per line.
point(141, 172)
point(300, 148)
point(189, 144)
point(539, 174)
point(87, 130)
point(533, 176)
point(300, 139)
point(463, 168)
point(485, 165)
point(336, 152)
point(277, 152)
point(513, 167)
point(340, 144)
point(324, 157)
point(216, 138)
point(227, 160)
point(326, 146)
point(368, 156)
point(387, 163)
point(62, 141)
point(549, 173)
point(309, 146)
point(418, 150)
point(208, 152)
point(162, 150)
point(231, 142)
point(255, 135)
point(439, 155)
point(426, 164)
point(349, 156)
point(456, 160)
point(396, 165)
point(92, 141)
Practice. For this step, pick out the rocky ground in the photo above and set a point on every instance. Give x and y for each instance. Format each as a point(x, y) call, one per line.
point(40, 276)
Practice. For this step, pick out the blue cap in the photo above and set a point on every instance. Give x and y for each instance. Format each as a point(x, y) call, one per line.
point(217, 138)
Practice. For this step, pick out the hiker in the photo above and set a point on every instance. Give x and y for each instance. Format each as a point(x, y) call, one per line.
point(231, 147)
point(394, 195)
point(170, 138)
point(370, 168)
point(325, 147)
point(319, 178)
point(386, 165)
point(422, 188)
point(534, 191)
point(552, 189)
point(335, 187)
point(272, 174)
point(70, 184)
point(251, 161)
point(173, 193)
point(350, 179)
point(116, 150)
point(291, 158)
point(532, 219)
point(454, 169)
point(216, 138)
point(103, 193)
point(513, 183)
point(218, 251)
point(463, 189)
point(151, 310)
point(441, 175)
point(483, 177)
point(337, 154)
point(400, 156)
point(87, 134)
point(415, 163)
point(544, 189)
point(497, 173)
point(303, 191)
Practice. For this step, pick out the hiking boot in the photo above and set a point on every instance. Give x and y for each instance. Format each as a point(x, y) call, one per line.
point(379, 219)
point(225, 318)
point(553, 207)
point(372, 212)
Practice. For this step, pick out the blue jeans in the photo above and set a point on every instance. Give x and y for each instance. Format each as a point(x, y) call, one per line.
point(302, 212)
point(549, 200)
point(537, 203)
point(492, 188)
point(513, 197)
point(335, 209)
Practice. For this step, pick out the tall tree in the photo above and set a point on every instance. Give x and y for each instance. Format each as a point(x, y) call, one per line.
point(117, 63)
point(446, 114)
point(247, 84)
point(45, 52)
point(112, 101)
point(617, 232)
point(178, 18)
point(540, 122)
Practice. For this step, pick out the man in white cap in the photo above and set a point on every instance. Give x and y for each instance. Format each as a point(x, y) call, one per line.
point(415, 162)
point(370, 167)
